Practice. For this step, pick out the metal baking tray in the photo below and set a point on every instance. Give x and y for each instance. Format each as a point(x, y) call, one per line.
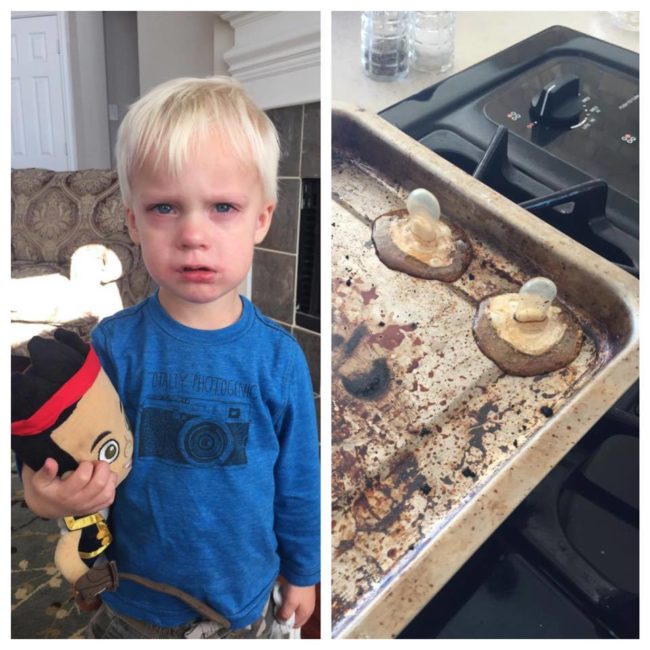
point(432, 445)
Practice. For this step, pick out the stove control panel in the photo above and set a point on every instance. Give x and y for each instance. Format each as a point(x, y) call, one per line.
point(579, 110)
point(558, 103)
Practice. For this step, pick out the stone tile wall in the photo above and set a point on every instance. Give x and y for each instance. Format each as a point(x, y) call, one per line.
point(276, 258)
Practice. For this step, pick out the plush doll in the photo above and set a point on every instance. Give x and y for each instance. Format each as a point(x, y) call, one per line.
point(64, 406)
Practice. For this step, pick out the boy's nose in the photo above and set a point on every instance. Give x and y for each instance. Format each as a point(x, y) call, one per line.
point(192, 231)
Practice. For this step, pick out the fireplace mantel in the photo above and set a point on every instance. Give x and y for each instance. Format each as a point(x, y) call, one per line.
point(276, 55)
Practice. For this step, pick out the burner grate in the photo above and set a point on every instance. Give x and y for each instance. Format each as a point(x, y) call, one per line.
point(579, 211)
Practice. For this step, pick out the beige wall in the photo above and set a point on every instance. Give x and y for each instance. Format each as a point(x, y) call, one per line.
point(122, 75)
point(180, 43)
point(88, 80)
point(224, 39)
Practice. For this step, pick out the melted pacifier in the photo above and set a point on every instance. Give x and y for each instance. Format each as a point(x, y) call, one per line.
point(418, 242)
point(526, 334)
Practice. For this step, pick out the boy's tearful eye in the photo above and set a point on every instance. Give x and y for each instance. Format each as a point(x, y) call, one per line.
point(109, 451)
point(223, 207)
point(162, 208)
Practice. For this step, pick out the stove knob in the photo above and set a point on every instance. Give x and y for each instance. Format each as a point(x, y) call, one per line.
point(558, 104)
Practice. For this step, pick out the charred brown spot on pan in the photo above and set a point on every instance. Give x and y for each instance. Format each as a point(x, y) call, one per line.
point(546, 411)
point(370, 384)
point(483, 425)
point(391, 337)
point(337, 340)
point(370, 295)
point(354, 340)
point(494, 268)
point(364, 374)
point(468, 473)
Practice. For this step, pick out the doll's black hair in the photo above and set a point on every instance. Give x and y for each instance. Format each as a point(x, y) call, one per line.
point(53, 363)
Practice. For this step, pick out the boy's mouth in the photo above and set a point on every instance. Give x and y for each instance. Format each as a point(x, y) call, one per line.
point(196, 273)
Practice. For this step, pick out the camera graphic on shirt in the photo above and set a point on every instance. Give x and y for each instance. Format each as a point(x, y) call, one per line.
point(194, 432)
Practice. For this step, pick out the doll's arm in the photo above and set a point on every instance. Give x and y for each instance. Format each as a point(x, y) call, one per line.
point(66, 557)
point(90, 488)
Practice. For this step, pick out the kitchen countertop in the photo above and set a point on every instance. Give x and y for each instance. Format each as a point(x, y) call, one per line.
point(479, 34)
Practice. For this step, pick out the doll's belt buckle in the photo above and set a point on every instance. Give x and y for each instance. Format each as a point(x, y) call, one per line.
point(96, 580)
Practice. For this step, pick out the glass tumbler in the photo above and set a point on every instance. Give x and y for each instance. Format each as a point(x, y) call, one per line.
point(385, 44)
point(432, 36)
point(626, 19)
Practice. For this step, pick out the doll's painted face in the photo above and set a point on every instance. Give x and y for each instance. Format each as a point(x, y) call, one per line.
point(97, 429)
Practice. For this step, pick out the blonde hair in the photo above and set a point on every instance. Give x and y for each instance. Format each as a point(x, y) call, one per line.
point(164, 122)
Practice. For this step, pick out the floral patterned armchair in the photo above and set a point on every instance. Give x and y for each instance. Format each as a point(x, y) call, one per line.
point(72, 261)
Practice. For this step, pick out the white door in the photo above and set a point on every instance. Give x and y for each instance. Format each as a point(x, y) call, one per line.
point(38, 134)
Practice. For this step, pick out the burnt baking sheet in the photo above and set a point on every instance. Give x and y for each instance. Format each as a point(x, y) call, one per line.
point(426, 430)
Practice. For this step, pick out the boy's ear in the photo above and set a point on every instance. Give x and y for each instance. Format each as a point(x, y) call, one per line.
point(263, 222)
point(130, 223)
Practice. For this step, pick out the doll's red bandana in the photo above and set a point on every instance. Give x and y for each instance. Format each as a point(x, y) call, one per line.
point(70, 393)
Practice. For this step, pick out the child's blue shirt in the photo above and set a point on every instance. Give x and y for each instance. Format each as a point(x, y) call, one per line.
point(224, 491)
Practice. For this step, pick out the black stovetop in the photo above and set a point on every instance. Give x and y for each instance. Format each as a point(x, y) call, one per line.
point(553, 124)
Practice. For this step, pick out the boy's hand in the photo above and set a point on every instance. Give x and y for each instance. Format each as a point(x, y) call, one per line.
point(298, 600)
point(88, 489)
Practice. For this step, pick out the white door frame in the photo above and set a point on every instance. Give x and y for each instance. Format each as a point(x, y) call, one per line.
point(64, 61)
